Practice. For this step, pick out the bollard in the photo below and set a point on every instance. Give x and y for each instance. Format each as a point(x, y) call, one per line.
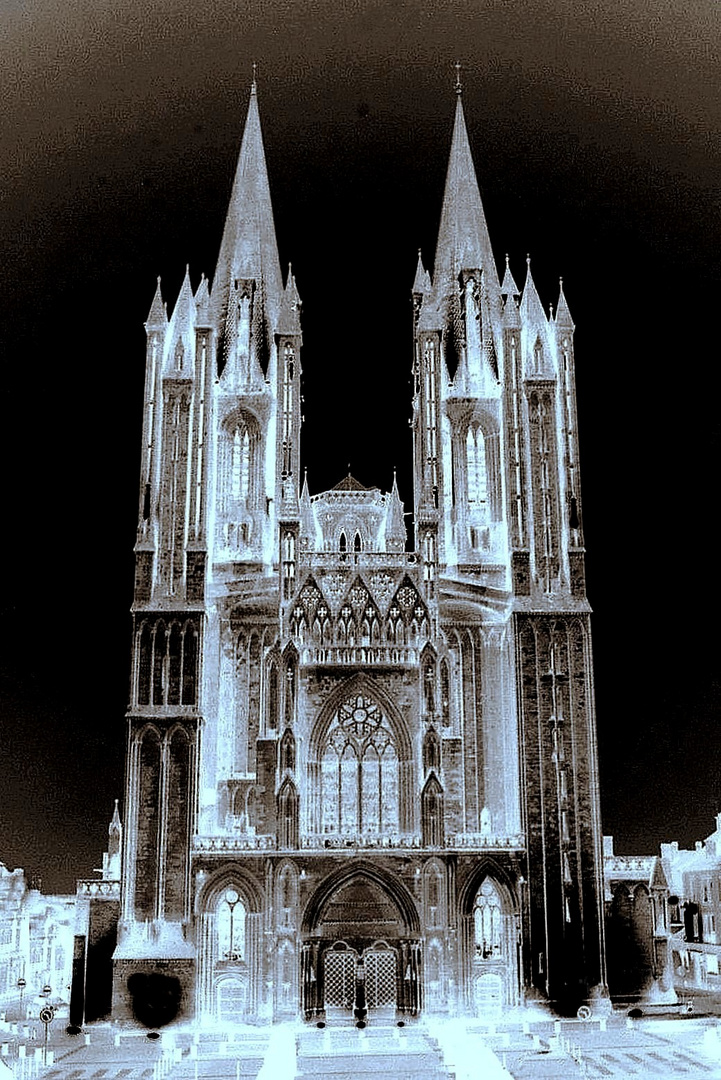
point(116, 1039)
point(602, 1023)
point(86, 1036)
point(557, 1027)
point(51, 1057)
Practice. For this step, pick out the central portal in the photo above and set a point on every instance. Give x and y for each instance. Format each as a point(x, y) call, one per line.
point(361, 957)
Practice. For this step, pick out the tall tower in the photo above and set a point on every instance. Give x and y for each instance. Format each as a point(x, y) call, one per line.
point(360, 779)
point(496, 468)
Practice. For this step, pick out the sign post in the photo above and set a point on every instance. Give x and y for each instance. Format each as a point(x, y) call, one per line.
point(47, 1015)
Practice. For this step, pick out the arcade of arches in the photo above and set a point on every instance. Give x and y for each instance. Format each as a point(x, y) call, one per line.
point(362, 940)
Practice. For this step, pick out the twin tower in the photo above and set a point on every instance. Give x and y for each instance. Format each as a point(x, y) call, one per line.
point(360, 779)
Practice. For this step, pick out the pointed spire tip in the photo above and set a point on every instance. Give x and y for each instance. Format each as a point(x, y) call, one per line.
point(459, 84)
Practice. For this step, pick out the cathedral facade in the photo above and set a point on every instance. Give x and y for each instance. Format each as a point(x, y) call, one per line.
point(361, 779)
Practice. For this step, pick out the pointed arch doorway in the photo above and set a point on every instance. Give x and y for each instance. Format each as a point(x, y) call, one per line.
point(361, 949)
point(491, 946)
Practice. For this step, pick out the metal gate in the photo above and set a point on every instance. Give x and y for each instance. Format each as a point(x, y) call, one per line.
point(380, 973)
point(339, 979)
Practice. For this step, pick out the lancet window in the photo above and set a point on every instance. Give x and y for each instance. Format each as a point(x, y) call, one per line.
point(488, 922)
point(230, 924)
point(238, 462)
point(431, 418)
point(359, 771)
point(476, 469)
point(288, 405)
point(167, 664)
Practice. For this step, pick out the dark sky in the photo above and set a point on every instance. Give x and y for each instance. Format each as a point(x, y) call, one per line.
point(595, 130)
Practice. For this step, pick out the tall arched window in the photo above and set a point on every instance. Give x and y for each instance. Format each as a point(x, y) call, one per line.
point(190, 665)
point(445, 694)
point(359, 771)
point(240, 467)
point(476, 468)
point(488, 922)
point(230, 923)
point(160, 647)
point(273, 695)
point(145, 665)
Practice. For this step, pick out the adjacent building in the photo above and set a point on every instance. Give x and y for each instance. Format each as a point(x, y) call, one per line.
point(695, 881)
point(36, 933)
point(361, 774)
point(638, 929)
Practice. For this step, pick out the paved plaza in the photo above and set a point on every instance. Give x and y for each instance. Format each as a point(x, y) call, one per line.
point(678, 1048)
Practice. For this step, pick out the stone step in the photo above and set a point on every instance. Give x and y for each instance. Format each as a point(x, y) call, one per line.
point(337, 1054)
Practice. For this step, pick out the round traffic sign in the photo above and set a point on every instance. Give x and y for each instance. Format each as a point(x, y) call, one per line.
point(47, 1014)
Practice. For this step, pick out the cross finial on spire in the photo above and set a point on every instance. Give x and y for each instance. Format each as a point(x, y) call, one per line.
point(459, 85)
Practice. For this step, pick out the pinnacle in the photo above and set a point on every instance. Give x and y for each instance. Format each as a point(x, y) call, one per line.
point(563, 314)
point(157, 316)
point(422, 280)
point(531, 306)
point(509, 287)
point(290, 307)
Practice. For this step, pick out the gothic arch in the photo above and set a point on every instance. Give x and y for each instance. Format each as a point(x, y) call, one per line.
point(288, 802)
point(375, 875)
point(360, 684)
point(488, 868)
point(229, 875)
point(432, 816)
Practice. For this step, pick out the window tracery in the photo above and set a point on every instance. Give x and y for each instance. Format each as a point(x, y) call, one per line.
point(230, 926)
point(359, 771)
point(488, 922)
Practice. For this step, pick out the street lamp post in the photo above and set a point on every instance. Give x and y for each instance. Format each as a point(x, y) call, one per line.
point(21, 987)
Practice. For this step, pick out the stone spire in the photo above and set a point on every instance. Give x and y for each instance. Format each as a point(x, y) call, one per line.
point(463, 241)
point(249, 249)
point(395, 520)
point(112, 857)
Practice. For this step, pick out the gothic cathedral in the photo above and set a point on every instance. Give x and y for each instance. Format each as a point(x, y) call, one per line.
point(361, 779)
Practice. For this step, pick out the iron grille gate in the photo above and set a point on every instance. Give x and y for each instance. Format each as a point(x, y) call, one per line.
point(340, 969)
point(380, 969)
